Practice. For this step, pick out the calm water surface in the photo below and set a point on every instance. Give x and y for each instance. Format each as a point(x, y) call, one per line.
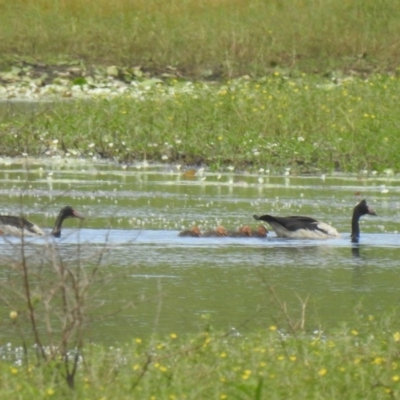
point(163, 283)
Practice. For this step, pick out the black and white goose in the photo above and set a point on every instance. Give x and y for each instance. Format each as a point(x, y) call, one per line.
point(19, 226)
point(360, 209)
point(298, 227)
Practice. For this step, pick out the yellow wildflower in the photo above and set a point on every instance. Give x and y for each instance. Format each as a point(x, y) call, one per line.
point(273, 328)
point(13, 315)
point(14, 370)
point(246, 374)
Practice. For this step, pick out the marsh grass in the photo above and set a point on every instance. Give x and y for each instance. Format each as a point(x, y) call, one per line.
point(303, 122)
point(48, 296)
point(206, 38)
point(359, 362)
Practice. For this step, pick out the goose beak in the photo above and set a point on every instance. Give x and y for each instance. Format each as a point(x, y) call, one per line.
point(371, 211)
point(78, 215)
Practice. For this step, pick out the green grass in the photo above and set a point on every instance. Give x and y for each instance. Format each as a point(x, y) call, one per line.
point(354, 362)
point(302, 121)
point(283, 116)
point(206, 38)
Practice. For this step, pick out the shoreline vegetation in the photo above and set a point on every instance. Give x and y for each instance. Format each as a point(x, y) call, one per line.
point(256, 85)
point(303, 123)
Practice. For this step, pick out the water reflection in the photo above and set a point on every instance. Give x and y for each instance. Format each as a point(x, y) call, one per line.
point(355, 250)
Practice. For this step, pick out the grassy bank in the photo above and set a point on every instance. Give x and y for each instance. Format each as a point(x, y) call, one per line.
point(284, 116)
point(206, 38)
point(360, 362)
point(304, 122)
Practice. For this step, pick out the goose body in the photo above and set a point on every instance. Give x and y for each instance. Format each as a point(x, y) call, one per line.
point(19, 226)
point(260, 232)
point(243, 231)
point(219, 231)
point(298, 227)
point(193, 232)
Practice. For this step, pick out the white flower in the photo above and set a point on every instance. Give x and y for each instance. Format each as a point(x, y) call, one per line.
point(300, 139)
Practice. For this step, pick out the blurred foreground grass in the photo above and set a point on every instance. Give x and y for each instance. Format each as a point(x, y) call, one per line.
point(359, 362)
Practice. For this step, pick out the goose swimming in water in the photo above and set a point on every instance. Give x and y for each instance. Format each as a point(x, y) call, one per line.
point(19, 226)
point(193, 232)
point(360, 209)
point(243, 231)
point(260, 232)
point(219, 231)
point(246, 231)
point(298, 227)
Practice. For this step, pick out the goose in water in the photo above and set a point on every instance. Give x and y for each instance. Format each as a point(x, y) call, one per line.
point(298, 227)
point(360, 209)
point(219, 231)
point(260, 232)
point(193, 232)
point(243, 231)
point(246, 231)
point(19, 226)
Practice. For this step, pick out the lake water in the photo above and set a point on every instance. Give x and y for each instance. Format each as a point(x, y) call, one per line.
point(156, 281)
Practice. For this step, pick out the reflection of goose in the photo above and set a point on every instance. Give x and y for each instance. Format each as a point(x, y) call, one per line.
point(218, 232)
point(18, 226)
point(297, 227)
point(194, 232)
point(359, 210)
